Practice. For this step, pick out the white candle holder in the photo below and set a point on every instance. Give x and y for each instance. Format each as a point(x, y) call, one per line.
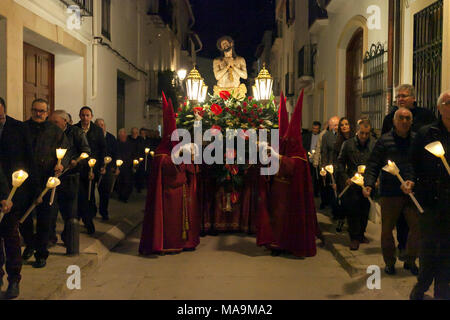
point(437, 149)
point(18, 178)
point(91, 163)
point(392, 168)
point(119, 163)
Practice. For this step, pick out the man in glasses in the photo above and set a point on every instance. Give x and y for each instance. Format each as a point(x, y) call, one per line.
point(406, 98)
point(433, 193)
point(46, 137)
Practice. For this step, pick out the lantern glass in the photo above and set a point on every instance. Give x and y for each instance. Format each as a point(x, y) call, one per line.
point(264, 84)
point(194, 85)
point(203, 94)
point(255, 93)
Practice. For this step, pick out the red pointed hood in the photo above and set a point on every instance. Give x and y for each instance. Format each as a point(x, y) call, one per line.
point(292, 143)
point(283, 118)
point(169, 126)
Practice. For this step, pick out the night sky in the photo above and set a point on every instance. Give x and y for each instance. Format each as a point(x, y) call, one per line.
point(244, 20)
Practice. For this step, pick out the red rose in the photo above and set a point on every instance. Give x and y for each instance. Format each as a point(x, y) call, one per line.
point(245, 104)
point(250, 98)
point(216, 129)
point(225, 95)
point(234, 197)
point(255, 106)
point(261, 121)
point(216, 109)
point(245, 110)
point(176, 115)
point(227, 109)
point(185, 104)
point(199, 110)
point(260, 110)
point(179, 109)
point(230, 154)
point(185, 98)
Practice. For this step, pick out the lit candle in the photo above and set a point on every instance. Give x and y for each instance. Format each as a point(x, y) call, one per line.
point(91, 163)
point(361, 169)
point(437, 149)
point(83, 156)
point(119, 163)
point(52, 183)
point(106, 160)
point(348, 186)
point(147, 151)
point(330, 170)
point(135, 162)
point(141, 159)
point(152, 153)
point(392, 168)
point(18, 178)
point(323, 172)
point(60, 153)
point(358, 179)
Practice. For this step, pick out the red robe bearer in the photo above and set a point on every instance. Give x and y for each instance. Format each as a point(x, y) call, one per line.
point(292, 208)
point(264, 233)
point(167, 220)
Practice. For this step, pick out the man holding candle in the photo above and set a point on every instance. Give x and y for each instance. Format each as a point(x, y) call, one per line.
point(406, 98)
point(15, 150)
point(395, 146)
point(125, 151)
point(104, 188)
point(87, 208)
point(68, 191)
point(355, 152)
point(46, 137)
point(433, 192)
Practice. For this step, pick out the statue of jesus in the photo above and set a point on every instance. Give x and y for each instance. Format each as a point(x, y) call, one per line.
point(229, 68)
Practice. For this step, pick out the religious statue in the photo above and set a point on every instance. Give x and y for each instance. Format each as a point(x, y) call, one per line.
point(229, 68)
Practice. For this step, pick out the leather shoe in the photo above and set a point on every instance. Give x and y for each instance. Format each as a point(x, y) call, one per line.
point(354, 245)
point(39, 263)
point(89, 224)
point(27, 253)
point(390, 270)
point(340, 225)
point(13, 290)
point(416, 294)
point(365, 240)
point(411, 266)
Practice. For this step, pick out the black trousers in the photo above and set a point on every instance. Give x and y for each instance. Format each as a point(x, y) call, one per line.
point(10, 253)
point(124, 184)
point(316, 179)
point(104, 190)
point(66, 202)
point(140, 177)
point(39, 239)
point(356, 208)
point(86, 209)
point(434, 252)
point(402, 232)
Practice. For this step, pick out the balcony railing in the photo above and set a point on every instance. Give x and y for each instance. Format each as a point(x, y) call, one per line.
point(86, 6)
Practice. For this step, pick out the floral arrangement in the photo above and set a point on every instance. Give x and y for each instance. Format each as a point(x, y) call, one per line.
point(227, 112)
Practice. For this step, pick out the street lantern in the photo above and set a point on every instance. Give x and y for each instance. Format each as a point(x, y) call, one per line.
point(194, 84)
point(264, 84)
point(204, 93)
point(255, 92)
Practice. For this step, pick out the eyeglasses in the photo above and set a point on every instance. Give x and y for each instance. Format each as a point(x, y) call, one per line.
point(402, 96)
point(38, 111)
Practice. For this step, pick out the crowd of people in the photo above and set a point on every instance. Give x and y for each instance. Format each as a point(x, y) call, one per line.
point(406, 130)
point(31, 146)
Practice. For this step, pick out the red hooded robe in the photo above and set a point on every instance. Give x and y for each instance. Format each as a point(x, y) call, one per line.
point(293, 212)
point(166, 219)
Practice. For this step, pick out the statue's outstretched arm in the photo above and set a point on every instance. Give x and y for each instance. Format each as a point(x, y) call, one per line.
point(219, 73)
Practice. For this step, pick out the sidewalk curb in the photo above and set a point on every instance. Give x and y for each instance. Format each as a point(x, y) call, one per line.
point(345, 257)
point(91, 258)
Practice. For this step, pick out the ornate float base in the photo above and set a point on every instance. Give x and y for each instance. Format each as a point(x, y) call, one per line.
point(239, 92)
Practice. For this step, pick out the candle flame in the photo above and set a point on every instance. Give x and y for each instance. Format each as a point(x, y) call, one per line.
point(60, 153)
point(119, 163)
point(84, 155)
point(141, 159)
point(147, 150)
point(92, 163)
point(135, 162)
point(436, 149)
point(108, 160)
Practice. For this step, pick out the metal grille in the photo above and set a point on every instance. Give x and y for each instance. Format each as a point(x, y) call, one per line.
point(428, 55)
point(374, 85)
point(86, 6)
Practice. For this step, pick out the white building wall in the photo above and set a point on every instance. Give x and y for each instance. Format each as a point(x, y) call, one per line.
point(332, 44)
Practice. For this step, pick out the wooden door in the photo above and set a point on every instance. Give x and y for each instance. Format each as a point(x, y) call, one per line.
point(354, 79)
point(38, 77)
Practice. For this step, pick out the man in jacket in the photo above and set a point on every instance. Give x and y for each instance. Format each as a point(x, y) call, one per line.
point(355, 152)
point(433, 192)
point(87, 209)
point(45, 139)
point(395, 146)
point(126, 152)
point(104, 189)
point(138, 152)
point(15, 151)
point(68, 191)
point(406, 98)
